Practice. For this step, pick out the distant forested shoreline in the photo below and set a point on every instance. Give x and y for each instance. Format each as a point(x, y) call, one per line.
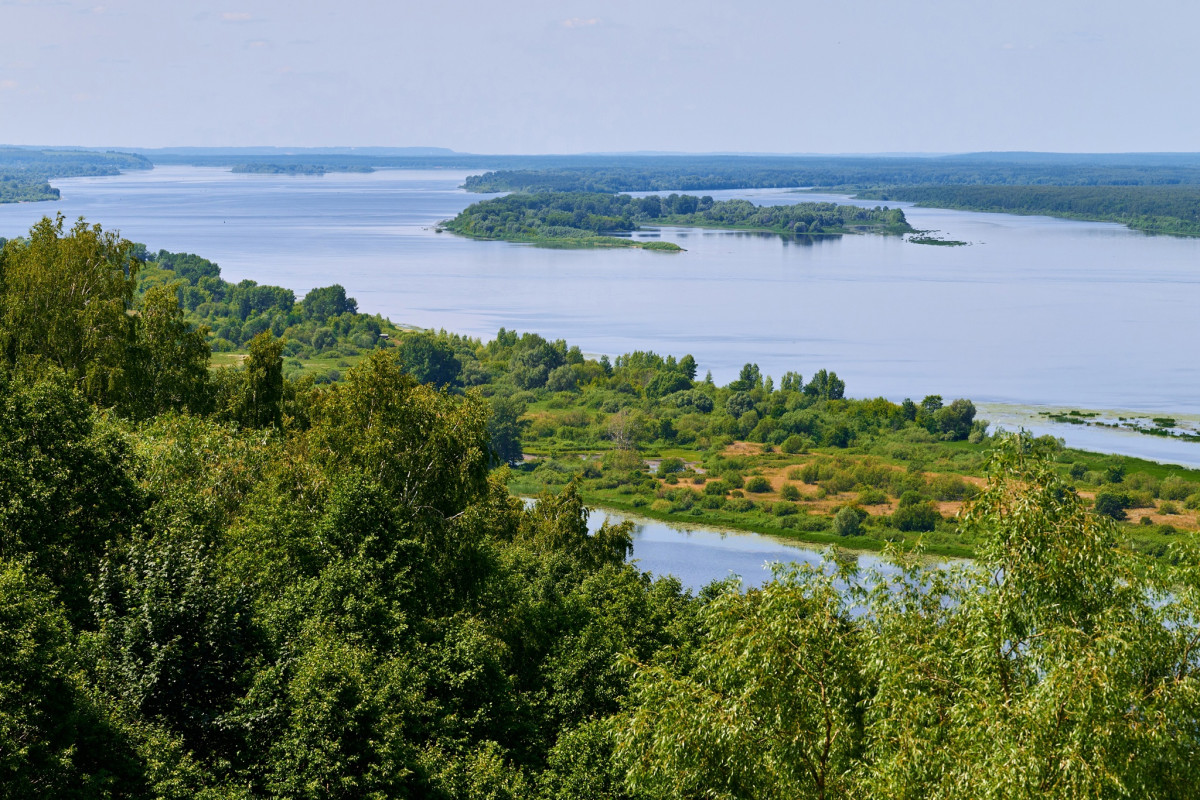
point(1171, 210)
point(25, 173)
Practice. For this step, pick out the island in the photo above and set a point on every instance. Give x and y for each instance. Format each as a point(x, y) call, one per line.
point(258, 168)
point(593, 219)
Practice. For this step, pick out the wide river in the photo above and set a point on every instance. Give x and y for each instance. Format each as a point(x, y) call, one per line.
point(1036, 311)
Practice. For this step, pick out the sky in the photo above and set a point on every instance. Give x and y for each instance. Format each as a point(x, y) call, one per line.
point(569, 76)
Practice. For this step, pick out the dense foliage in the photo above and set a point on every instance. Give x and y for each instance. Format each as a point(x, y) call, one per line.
point(587, 217)
point(324, 327)
point(257, 588)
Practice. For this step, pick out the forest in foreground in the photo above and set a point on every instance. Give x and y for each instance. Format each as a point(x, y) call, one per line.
point(226, 583)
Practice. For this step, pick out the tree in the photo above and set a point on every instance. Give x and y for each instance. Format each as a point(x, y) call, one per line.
point(562, 379)
point(427, 450)
point(504, 430)
point(172, 358)
point(848, 521)
point(748, 379)
point(261, 401)
point(66, 299)
point(54, 742)
point(767, 703)
point(1111, 504)
point(328, 301)
point(791, 382)
point(1054, 666)
point(67, 485)
point(430, 359)
point(738, 404)
point(954, 421)
point(173, 638)
point(825, 386)
point(667, 382)
point(687, 365)
point(1043, 670)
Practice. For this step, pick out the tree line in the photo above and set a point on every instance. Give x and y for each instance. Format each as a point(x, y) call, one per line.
point(694, 173)
point(1171, 209)
point(25, 172)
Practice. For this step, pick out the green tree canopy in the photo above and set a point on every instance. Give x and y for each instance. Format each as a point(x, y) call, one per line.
point(66, 298)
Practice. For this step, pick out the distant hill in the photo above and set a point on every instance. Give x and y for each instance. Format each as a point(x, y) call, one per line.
point(244, 152)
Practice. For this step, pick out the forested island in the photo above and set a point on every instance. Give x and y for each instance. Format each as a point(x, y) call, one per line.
point(227, 583)
point(588, 219)
point(25, 172)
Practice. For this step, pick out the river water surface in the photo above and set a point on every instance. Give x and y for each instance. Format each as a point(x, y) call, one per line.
point(1035, 311)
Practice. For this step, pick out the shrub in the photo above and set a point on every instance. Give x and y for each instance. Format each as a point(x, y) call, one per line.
point(807, 522)
point(1140, 480)
point(1110, 504)
point(717, 488)
point(872, 497)
point(1192, 502)
point(848, 521)
point(785, 509)
point(1139, 499)
point(795, 474)
point(669, 466)
point(623, 461)
point(810, 472)
point(794, 444)
point(1168, 507)
point(1175, 488)
point(789, 492)
point(920, 516)
point(951, 487)
point(740, 505)
point(1077, 470)
point(758, 485)
point(840, 481)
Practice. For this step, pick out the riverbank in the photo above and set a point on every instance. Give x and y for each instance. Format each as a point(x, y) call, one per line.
point(907, 497)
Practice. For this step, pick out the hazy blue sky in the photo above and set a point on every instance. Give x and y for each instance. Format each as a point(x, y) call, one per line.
point(572, 76)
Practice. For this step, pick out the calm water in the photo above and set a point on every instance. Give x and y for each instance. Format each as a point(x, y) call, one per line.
point(1035, 311)
point(700, 555)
